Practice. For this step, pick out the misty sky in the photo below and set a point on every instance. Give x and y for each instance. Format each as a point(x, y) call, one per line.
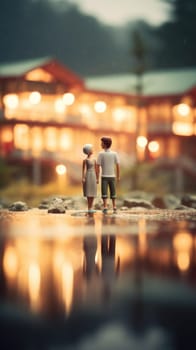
point(117, 12)
point(69, 31)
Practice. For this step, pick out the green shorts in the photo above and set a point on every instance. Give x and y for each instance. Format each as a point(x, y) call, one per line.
point(108, 182)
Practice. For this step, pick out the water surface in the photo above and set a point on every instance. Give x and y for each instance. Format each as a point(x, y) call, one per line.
point(102, 282)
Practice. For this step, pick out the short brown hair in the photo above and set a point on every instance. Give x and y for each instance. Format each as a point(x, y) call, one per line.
point(107, 141)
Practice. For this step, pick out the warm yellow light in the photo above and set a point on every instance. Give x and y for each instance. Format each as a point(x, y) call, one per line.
point(61, 169)
point(183, 109)
point(183, 261)
point(11, 101)
point(50, 139)
point(10, 262)
point(68, 98)
point(65, 140)
point(153, 146)
point(21, 136)
point(194, 129)
point(34, 97)
point(34, 279)
point(119, 114)
point(100, 106)
point(184, 129)
point(85, 110)
point(7, 135)
point(39, 74)
point(141, 141)
point(67, 285)
point(182, 241)
point(37, 140)
point(59, 106)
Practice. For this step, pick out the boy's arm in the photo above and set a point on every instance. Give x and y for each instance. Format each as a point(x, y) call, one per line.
point(97, 172)
point(118, 171)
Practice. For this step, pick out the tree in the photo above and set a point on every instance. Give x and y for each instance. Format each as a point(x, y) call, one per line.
point(178, 35)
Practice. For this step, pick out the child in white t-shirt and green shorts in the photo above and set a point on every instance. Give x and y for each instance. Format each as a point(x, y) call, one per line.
point(109, 163)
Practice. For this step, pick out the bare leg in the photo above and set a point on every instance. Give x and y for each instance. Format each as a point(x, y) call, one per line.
point(105, 203)
point(114, 203)
point(90, 202)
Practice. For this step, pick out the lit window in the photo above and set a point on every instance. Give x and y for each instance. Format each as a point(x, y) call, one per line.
point(39, 75)
point(85, 110)
point(11, 101)
point(183, 109)
point(184, 129)
point(21, 136)
point(37, 141)
point(119, 114)
point(153, 146)
point(142, 141)
point(100, 106)
point(7, 135)
point(50, 139)
point(35, 97)
point(65, 140)
point(68, 99)
point(59, 106)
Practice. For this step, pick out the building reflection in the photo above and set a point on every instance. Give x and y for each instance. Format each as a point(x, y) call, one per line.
point(52, 277)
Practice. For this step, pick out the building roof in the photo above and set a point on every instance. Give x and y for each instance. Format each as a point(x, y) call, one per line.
point(59, 71)
point(163, 82)
point(155, 83)
point(19, 68)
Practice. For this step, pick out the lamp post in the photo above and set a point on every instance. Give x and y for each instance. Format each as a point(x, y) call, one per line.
point(139, 54)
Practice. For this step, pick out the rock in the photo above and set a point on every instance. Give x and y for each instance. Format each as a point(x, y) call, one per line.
point(57, 209)
point(182, 207)
point(134, 202)
point(67, 202)
point(167, 201)
point(159, 202)
point(18, 206)
point(57, 205)
point(171, 201)
point(189, 201)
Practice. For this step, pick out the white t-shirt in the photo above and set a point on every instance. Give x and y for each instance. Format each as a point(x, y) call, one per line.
point(107, 159)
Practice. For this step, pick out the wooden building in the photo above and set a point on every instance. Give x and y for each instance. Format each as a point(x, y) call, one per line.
point(47, 113)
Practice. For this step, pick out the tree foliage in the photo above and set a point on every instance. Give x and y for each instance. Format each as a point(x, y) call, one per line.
point(178, 35)
point(38, 28)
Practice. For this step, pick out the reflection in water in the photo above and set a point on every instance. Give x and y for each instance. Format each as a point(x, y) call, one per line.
point(183, 244)
point(90, 266)
point(110, 263)
point(147, 277)
point(34, 285)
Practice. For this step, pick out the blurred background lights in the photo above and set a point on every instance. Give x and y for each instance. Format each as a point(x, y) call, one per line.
point(85, 110)
point(185, 129)
point(59, 106)
point(182, 241)
point(68, 98)
point(153, 146)
point(61, 169)
point(142, 141)
point(183, 109)
point(11, 101)
point(100, 106)
point(119, 114)
point(35, 97)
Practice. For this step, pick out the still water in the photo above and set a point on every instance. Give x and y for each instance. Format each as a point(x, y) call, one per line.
point(102, 282)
